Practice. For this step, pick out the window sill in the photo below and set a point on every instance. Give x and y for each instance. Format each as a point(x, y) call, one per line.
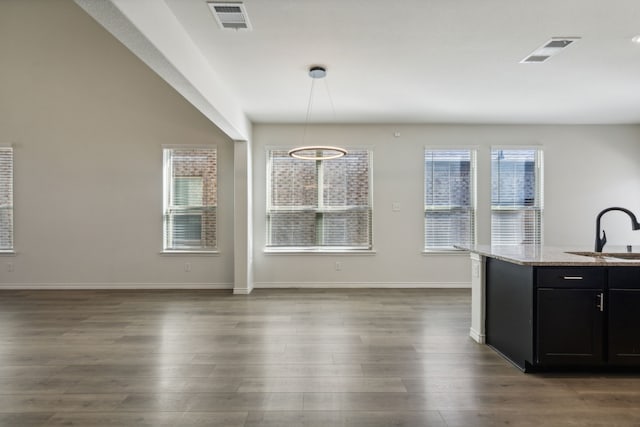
point(190, 253)
point(367, 252)
point(7, 253)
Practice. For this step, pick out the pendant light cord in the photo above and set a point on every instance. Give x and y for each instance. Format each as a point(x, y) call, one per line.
point(333, 109)
point(306, 120)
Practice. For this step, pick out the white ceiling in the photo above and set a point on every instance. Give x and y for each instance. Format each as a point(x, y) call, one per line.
point(419, 61)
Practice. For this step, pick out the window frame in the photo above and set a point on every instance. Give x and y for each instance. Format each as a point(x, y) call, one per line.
point(473, 151)
point(538, 191)
point(317, 209)
point(168, 191)
point(10, 250)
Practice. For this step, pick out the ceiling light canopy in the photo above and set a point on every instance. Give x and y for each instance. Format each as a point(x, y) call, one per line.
point(549, 49)
point(317, 72)
point(316, 152)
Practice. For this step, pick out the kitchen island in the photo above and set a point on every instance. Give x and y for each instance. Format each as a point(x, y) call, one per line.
point(545, 307)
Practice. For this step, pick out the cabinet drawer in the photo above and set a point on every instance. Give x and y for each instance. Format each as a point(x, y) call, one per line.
point(624, 278)
point(571, 277)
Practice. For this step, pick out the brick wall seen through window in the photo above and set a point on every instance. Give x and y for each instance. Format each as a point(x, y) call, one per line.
point(190, 199)
point(319, 204)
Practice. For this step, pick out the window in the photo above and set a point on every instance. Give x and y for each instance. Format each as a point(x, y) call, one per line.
point(449, 200)
point(6, 199)
point(319, 205)
point(516, 196)
point(190, 199)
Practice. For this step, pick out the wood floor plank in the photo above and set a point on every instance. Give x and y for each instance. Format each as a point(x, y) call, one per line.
point(569, 417)
point(265, 358)
point(437, 401)
point(136, 370)
point(47, 402)
point(484, 384)
point(115, 419)
point(213, 419)
point(126, 384)
point(322, 384)
point(287, 370)
point(24, 419)
point(345, 418)
point(226, 402)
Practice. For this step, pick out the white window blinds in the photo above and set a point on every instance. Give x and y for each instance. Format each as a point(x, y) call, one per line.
point(315, 205)
point(6, 199)
point(190, 199)
point(449, 200)
point(516, 196)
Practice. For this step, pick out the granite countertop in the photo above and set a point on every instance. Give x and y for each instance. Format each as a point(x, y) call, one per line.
point(551, 255)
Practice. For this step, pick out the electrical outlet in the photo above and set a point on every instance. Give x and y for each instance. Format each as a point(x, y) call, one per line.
point(187, 267)
point(338, 266)
point(10, 267)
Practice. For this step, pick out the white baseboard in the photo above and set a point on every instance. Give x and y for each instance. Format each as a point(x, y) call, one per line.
point(477, 336)
point(239, 291)
point(363, 285)
point(92, 286)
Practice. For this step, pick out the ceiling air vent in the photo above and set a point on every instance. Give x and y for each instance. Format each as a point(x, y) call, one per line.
point(549, 49)
point(536, 58)
point(231, 16)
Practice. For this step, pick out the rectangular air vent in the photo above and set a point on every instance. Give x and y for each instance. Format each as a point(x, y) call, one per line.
point(231, 16)
point(536, 58)
point(549, 49)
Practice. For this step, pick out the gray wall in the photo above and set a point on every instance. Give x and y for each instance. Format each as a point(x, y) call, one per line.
point(87, 120)
point(586, 168)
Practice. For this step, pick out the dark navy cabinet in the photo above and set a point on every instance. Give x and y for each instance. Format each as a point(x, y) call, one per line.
point(569, 316)
point(555, 317)
point(624, 316)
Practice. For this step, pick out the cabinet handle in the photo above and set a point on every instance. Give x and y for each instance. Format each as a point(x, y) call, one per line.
point(572, 277)
point(600, 304)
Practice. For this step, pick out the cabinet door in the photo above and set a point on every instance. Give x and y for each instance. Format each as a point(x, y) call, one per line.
point(624, 327)
point(569, 327)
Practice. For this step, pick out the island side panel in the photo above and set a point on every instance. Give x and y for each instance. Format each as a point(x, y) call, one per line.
point(509, 310)
point(477, 331)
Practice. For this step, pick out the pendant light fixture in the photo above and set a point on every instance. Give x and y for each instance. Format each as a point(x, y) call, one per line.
point(316, 152)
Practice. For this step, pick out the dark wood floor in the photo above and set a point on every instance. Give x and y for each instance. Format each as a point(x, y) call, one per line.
point(277, 358)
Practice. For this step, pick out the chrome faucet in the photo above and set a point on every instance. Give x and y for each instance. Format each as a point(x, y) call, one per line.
point(601, 241)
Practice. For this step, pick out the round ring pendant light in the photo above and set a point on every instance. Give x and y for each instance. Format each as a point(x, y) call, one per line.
point(316, 152)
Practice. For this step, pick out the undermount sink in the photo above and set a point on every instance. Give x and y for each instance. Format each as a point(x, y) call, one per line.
point(619, 255)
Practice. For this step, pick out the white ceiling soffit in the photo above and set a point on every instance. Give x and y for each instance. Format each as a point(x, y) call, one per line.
point(150, 30)
point(231, 16)
point(444, 62)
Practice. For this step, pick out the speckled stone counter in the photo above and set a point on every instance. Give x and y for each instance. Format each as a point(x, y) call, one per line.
point(552, 255)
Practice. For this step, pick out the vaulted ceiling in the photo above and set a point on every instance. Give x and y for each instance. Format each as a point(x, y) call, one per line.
point(404, 61)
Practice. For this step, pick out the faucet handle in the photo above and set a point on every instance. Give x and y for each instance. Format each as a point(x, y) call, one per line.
point(604, 238)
